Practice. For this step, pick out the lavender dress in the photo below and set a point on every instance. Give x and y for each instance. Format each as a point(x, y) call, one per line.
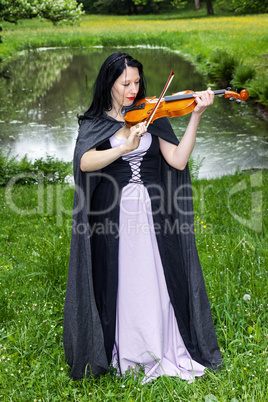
point(146, 331)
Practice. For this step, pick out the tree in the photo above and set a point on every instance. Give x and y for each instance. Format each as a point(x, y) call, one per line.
point(209, 7)
point(197, 4)
point(53, 10)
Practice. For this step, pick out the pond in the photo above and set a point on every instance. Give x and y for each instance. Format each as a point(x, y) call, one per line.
point(44, 90)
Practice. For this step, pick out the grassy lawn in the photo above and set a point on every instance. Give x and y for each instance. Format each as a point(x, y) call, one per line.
point(231, 233)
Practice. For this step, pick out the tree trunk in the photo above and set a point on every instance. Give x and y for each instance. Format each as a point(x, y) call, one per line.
point(209, 7)
point(197, 4)
point(132, 7)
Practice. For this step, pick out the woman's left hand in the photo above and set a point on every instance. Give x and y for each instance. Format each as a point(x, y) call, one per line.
point(203, 100)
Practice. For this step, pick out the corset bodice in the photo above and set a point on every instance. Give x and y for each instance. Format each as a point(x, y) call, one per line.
point(139, 166)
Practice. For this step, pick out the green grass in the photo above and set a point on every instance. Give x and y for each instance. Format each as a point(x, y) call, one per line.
point(35, 239)
point(196, 38)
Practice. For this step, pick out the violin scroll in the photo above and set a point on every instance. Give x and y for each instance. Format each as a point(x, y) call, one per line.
point(231, 95)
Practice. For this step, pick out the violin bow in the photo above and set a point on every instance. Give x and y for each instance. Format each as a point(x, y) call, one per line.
point(151, 115)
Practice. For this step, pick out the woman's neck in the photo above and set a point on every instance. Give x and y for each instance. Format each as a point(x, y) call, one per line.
point(116, 114)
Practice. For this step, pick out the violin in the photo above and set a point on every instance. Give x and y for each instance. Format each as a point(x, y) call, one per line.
point(178, 104)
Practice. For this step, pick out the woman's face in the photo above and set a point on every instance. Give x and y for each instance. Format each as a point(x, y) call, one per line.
point(125, 88)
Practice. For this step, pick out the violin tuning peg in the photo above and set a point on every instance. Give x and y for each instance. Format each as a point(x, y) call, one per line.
point(231, 99)
point(238, 101)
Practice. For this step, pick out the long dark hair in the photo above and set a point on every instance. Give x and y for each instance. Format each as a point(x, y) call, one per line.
point(110, 70)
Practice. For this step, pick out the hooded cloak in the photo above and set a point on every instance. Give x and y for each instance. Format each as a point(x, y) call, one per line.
point(83, 336)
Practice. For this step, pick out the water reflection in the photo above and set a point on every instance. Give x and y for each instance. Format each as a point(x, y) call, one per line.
point(47, 89)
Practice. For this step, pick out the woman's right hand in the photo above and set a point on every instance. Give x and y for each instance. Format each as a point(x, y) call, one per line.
point(95, 160)
point(133, 141)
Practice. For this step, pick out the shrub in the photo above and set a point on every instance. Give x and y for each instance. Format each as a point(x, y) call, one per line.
point(242, 75)
point(23, 171)
point(222, 65)
point(258, 89)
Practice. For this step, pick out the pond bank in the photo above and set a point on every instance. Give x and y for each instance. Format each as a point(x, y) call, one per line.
point(195, 39)
point(49, 87)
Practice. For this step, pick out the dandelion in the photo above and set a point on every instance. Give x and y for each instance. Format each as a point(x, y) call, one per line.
point(246, 297)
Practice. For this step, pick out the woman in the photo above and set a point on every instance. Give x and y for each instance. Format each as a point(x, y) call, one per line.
point(135, 292)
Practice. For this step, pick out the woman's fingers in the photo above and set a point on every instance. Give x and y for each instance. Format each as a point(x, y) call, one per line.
point(206, 96)
point(136, 132)
point(203, 100)
point(140, 129)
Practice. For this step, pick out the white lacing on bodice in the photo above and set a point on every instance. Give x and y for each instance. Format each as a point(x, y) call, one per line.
point(134, 161)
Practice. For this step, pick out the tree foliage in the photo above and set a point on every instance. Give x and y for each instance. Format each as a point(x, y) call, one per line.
point(132, 6)
point(70, 10)
point(155, 6)
point(53, 10)
point(244, 6)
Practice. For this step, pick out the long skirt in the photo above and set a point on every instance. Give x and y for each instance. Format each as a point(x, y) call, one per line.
point(147, 334)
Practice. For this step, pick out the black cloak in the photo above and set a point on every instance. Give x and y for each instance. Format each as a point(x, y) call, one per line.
point(82, 331)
